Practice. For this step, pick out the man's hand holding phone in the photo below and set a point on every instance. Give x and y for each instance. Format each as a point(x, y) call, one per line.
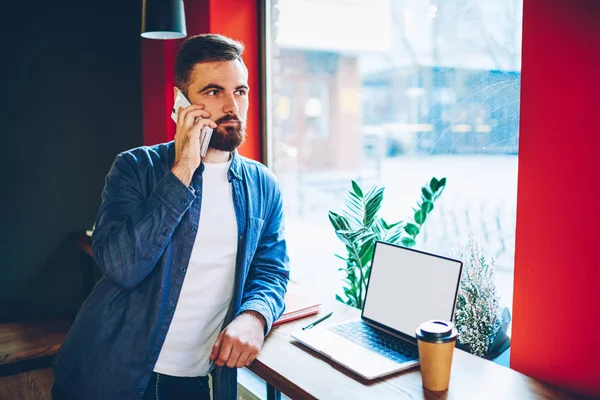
point(190, 121)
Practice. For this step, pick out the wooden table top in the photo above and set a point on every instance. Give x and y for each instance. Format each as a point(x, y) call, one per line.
point(301, 373)
point(31, 339)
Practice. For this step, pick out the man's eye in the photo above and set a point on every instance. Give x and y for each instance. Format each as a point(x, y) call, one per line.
point(241, 92)
point(212, 93)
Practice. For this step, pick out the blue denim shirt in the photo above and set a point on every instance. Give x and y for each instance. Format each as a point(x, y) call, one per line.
point(145, 231)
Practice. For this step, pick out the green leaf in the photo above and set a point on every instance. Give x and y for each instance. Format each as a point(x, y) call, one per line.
point(366, 252)
point(427, 206)
point(357, 189)
point(339, 222)
point(441, 187)
point(351, 278)
point(354, 208)
point(340, 257)
point(395, 234)
point(353, 238)
point(352, 197)
point(411, 229)
point(343, 238)
point(339, 298)
point(434, 184)
point(394, 238)
point(420, 217)
point(408, 242)
point(395, 224)
point(361, 235)
point(384, 224)
point(378, 229)
point(373, 201)
point(360, 210)
point(426, 193)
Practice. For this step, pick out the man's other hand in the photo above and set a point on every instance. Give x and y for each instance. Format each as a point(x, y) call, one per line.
point(239, 343)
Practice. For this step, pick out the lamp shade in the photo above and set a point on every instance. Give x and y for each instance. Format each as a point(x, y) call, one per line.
point(163, 19)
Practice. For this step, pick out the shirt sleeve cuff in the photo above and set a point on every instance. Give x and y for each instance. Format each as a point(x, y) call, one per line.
point(174, 193)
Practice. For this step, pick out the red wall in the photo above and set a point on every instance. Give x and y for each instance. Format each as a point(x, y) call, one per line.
point(556, 324)
point(237, 19)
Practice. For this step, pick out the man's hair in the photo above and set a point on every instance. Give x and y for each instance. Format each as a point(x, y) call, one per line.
point(204, 48)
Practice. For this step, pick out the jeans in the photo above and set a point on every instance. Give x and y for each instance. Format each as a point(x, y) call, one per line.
point(164, 387)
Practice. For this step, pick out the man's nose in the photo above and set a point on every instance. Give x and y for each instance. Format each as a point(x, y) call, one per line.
point(230, 106)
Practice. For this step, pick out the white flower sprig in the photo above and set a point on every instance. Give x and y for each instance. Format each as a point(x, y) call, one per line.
point(478, 314)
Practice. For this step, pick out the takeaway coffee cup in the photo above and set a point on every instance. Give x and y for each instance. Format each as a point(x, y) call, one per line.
point(436, 340)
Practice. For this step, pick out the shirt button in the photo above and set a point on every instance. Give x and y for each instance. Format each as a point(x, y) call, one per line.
point(172, 310)
point(141, 390)
point(184, 203)
point(182, 269)
point(194, 228)
point(156, 352)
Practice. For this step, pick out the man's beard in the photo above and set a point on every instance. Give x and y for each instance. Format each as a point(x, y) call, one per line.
point(228, 138)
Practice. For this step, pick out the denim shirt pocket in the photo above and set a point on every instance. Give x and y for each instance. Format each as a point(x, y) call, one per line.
point(253, 233)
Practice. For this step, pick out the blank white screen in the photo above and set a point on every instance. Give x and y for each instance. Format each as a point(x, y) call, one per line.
point(407, 288)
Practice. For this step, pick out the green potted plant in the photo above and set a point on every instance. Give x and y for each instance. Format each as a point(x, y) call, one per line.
point(481, 321)
point(359, 226)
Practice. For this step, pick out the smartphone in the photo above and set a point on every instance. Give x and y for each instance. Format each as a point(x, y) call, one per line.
point(205, 134)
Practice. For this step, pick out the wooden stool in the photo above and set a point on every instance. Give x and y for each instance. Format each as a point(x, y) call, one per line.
point(32, 385)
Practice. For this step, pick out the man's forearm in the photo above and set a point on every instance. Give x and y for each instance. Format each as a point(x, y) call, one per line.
point(269, 272)
point(132, 232)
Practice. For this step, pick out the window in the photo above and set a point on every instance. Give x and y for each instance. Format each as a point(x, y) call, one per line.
point(394, 92)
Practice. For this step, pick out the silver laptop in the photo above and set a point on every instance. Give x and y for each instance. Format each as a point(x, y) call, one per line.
point(407, 287)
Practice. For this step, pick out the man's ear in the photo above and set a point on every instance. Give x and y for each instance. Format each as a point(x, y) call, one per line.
point(175, 90)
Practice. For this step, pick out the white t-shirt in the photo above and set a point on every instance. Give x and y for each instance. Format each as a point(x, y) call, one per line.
point(207, 289)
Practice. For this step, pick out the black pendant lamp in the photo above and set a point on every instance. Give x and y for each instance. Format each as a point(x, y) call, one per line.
point(163, 19)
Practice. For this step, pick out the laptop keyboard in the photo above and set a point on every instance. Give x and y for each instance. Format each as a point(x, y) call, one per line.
point(378, 341)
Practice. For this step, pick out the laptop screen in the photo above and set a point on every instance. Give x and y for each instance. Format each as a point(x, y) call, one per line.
point(408, 287)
